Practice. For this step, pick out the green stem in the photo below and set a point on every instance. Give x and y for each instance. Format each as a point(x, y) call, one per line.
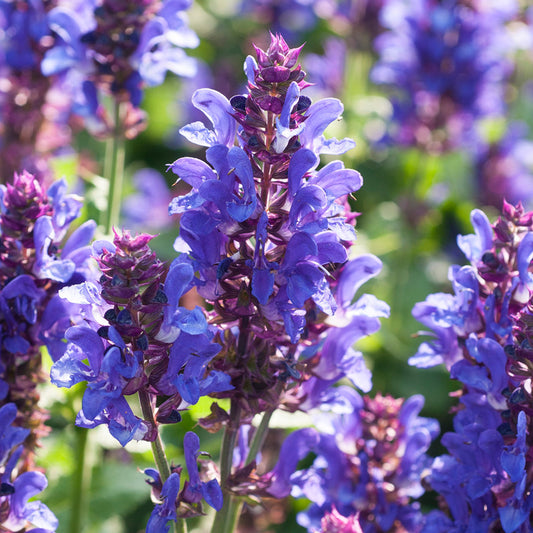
point(235, 504)
point(114, 171)
point(228, 442)
point(259, 436)
point(221, 524)
point(81, 480)
point(157, 445)
point(233, 514)
point(226, 520)
point(158, 451)
point(180, 526)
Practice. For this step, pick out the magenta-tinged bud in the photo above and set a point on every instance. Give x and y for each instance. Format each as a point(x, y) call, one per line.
point(334, 522)
point(22, 203)
point(131, 281)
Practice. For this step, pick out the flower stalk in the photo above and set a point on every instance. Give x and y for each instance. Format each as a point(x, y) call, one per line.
point(81, 482)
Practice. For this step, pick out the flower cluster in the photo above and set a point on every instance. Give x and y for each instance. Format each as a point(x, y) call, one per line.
point(35, 261)
point(268, 233)
point(116, 47)
point(369, 461)
point(138, 340)
point(34, 264)
point(128, 323)
point(33, 117)
point(446, 62)
point(481, 335)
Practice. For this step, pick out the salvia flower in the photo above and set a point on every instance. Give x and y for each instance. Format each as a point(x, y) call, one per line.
point(34, 125)
point(128, 323)
point(369, 460)
point(481, 334)
point(265, 230)
point(117, 48)
point(445, 62)
point(35, 261)
point(194, 490)
point(16, 512)
point(165, 512)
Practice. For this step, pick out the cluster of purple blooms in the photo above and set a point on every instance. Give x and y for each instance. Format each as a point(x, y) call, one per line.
point(32, 123)
point(446, 62)
point(482, 336)
point(35, 261)
point(116, 48)
point(369, 460)
point(266, 231)
point(126, 327)
point(129, 320)
point(60, 59)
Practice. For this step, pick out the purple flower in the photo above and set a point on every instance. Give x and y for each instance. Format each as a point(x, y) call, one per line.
point(446, 63)
point(321, 114)
point(10, 435)
point(195, 489)
point(146, 48)
point(34, 128)
point(474, 246)
point(187, 365)
point(483, 478)
point(165, 512)
point(161, 44)
point(218, 110)
point(18, 513)
point(24, 29)
point(295, 448)
point(358, 470)
point(22, 512)
point(110, 367)
point(336, 357)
